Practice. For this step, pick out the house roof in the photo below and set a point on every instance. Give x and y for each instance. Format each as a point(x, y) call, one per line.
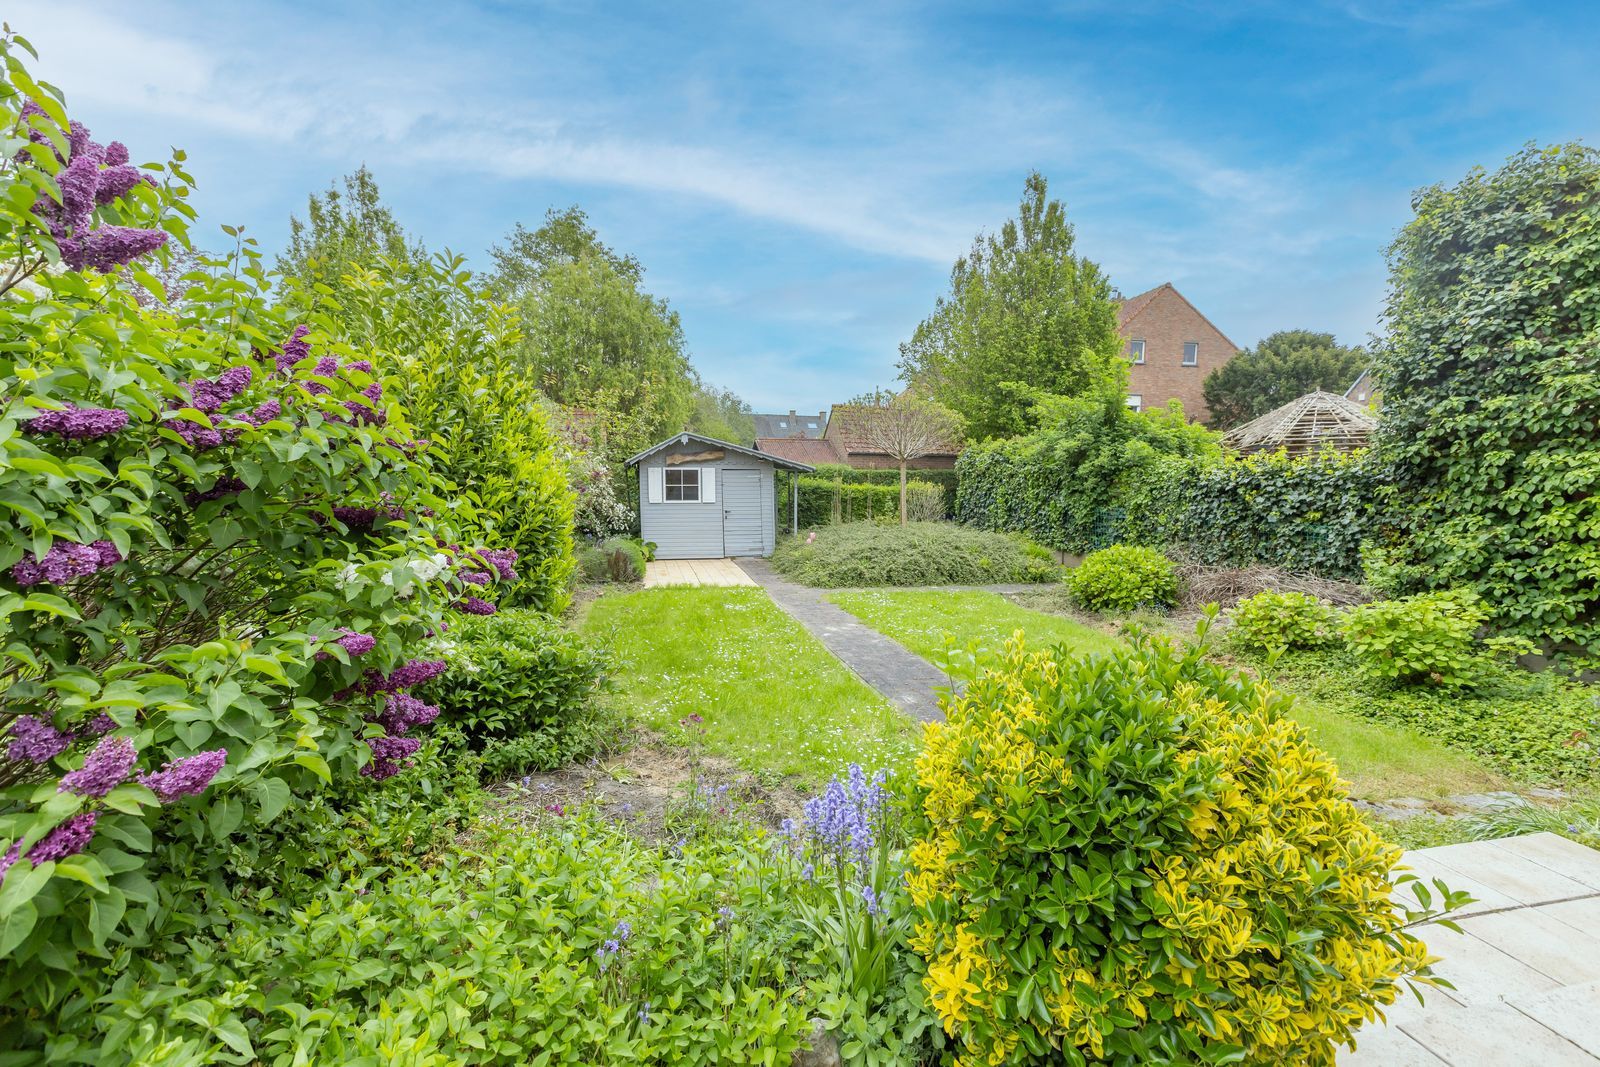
point(1357, 383)
point(847, 425)
point(794, 424)
point(1131, 308)
point(1306, 424)
point(799, 449)
point(685, 437)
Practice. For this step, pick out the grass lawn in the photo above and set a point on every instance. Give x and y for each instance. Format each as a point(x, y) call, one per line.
point(773, 699)
point(925, 620)
point(1378, 760)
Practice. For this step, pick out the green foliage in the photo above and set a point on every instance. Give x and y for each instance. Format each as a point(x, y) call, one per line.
point(1431, 637)
point(1491, 393)
point(721, 414)
point(1124, 578)
point(1281, 367)
point(839, 474)
point(454, 353)
point(625, 559)
point(1578, 819)
point(1091, 473)
point(1025, 315)
point(824, 501)
point(1101, 869)
point(920, 553)
point(345, 232)
point(1273, 621)
point(519, 684)
point(1531, 727)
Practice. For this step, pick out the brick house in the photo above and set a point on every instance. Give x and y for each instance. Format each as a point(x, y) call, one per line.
point(1171, 347)
point(843, 441)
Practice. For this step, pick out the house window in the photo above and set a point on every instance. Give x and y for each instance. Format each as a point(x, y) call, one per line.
point(1191, 353)
point(1136, 350)
point(1135, 402)
point(683, 485)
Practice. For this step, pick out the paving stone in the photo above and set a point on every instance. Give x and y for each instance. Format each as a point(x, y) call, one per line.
point(1573, 1012)
point(1557, 853)
point(905, 679)
point(1543, 942)
point(1492, 1036)
point(1505, 871)
point(1389, 1046)
point(1482, 974)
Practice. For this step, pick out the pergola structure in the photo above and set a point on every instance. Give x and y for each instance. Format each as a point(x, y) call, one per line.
point(1305, 426)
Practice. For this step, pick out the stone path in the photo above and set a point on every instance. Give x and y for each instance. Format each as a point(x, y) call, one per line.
point(905, 679)
point(1526, 964)
point(659, 572)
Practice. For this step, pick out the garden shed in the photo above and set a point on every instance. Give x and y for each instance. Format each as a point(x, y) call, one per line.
point(1305, 426)
point(700, 498)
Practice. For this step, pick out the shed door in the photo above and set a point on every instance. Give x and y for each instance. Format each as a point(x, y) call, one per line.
point(741, 513)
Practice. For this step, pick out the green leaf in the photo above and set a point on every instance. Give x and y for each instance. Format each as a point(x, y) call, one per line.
point(22, 883)
point(15, 927)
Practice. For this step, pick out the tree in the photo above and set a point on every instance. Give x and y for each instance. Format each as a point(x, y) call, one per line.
point(1024, 316)
point(908, 427)
point(1281, 367)
point(1491, 395)
point(722, 414)
point(593, 338)
point(344, 230)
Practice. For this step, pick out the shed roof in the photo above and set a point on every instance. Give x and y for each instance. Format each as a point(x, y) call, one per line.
point(1306, 424)
point(685, 437)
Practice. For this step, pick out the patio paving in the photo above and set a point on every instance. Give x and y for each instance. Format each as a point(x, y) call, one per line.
point(659, 572)
point(904, 678)
point(1526, 965)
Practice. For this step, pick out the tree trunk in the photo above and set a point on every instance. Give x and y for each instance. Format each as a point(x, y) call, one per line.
point(902, 492)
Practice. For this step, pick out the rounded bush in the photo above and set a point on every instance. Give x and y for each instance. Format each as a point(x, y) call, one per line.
point(1138, 858)
point(625, 559)
point(1431, 637)
point(1273, 621)
point(1124, 578)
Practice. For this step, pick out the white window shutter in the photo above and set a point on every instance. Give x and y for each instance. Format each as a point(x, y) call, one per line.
point(708, 485)
point(656, 476)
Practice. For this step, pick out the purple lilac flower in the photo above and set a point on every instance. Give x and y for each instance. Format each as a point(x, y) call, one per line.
point(555, 809)
point(263, 413)
point(109, 247)
point(76, 423)
point(389, 755)
point(84, 186)
point(105, 768)
point(65, 840)
point(474, 577)
point(362, 365)
point(209, 395)
point(354, 644)
point(200, 438)
point(294, 350)
point(9, 858)
point(33, 740)
point(100, 724)
point(364, 518)
point(374, 414)
point(502, 560)
point(475, 605)
point(407, 676)
point(402, 711)
point(184, 777)
point(64, 562)
point(225, 486)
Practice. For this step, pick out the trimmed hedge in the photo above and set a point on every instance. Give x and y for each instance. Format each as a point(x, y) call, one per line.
point(824, 502)
point(939, 506)
point(919, 553)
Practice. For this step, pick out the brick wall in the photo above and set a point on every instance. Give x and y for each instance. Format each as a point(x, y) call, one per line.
point(1164, 321)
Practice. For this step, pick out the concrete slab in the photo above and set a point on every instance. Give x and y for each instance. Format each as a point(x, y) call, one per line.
point(712, 572)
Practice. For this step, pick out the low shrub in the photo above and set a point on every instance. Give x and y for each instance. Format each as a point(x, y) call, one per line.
point(1274, 621)
point(1431, 637)
point(517, 690)
point(1530, 727)
point(919, 553)
point(1124, 578)
point(1139, 858)
point(594, 564)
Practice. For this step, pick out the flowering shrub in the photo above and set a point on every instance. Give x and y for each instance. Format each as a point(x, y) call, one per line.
point(219, 559)
point(1124, 578)
point(1138, 858)
point(1280, 621)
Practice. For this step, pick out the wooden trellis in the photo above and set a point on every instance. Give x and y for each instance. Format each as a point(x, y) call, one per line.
point(1306, 426)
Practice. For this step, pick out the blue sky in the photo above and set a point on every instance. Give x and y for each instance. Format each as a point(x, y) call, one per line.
point(798, 178)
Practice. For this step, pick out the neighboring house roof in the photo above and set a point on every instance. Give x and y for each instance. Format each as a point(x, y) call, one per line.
point(1305, 425)
point(685, 437)
point(1355, 385)
point(1128, 310)
point(847, 425)
point(799, 449)
point(790, 425)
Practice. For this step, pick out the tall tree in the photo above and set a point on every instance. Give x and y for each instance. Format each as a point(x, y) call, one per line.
point(1025, 316)
point(343, 230)
point(721, 413)
point(1281, 367)
point(908, 427)
point(593, 338)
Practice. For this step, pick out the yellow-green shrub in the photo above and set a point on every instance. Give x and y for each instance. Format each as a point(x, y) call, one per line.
point(1138, 858)
point(1273, 621)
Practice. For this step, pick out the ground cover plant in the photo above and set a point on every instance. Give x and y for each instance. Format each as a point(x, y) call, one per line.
point(1178, 929)
point(935, 623)
point(920, 553)
point(771, 697)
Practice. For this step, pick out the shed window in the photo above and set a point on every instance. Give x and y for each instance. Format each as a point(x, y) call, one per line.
point(683, 484)
point(1136, 350)
point(1191, 353)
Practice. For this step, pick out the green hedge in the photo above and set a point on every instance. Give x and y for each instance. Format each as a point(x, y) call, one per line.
point(824, 501)
point(832, 474)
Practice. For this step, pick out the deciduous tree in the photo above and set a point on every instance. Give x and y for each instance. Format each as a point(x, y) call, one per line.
point(908, 427)
point(1281, 367)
